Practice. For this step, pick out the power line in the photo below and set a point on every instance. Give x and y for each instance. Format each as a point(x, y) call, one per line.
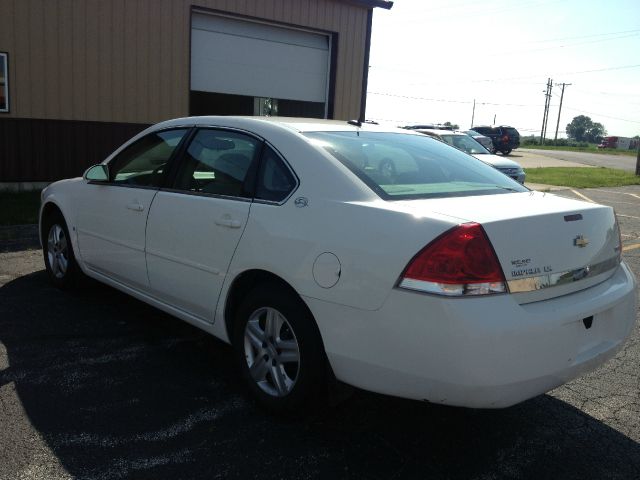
point(556, 47)
point(616, 94)
point(603, 115)
point(481, 12)
point(603, 69)
point(580, 36)
point(411, 97)
point(417, 98)
point(507, 79)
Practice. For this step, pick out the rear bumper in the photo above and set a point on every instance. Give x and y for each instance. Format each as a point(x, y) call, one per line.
point(476, 352)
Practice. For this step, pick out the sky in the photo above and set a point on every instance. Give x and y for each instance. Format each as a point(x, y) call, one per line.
point(431, 59)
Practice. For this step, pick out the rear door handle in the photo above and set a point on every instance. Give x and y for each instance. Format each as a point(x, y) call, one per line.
point(136, 207)
point(228, 222)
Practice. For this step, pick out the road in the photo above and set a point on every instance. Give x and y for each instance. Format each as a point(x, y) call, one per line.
point(622, 162)
point(96, 385)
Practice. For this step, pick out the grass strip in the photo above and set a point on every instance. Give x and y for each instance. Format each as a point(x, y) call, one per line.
point(578, 177)
point(19, 208)
point(590, 149)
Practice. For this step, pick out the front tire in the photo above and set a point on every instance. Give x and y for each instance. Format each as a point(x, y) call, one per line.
point(59, 258)
point(279, 351)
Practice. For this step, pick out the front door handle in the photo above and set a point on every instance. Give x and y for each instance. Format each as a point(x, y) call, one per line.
point(136, 207)
point(228, 222)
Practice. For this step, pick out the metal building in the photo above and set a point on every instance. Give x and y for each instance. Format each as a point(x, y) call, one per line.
point(79, 77)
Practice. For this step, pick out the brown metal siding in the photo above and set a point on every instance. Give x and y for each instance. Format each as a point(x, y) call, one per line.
point(34, 150)
point(128, 60)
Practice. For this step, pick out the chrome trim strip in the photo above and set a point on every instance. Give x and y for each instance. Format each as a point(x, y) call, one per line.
point(541, 282)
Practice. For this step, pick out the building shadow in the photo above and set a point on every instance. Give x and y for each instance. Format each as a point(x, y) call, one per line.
point(117, 389)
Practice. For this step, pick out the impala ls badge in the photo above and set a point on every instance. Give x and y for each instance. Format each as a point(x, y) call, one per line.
point(580, 241)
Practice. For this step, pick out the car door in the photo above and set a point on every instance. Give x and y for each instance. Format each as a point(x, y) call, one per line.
point(195, 226)
point(112, 215)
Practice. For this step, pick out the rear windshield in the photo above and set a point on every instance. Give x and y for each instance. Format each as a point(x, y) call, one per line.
point(403, 166)
point(512, 131)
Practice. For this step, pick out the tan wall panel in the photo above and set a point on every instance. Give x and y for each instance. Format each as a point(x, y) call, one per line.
point(37, 71)
point(92, 61)
point(65, 48)
point(128, 60)
point(78, 57)
point(117, 87)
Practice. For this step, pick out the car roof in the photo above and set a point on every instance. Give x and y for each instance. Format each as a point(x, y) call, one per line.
point(290, 123)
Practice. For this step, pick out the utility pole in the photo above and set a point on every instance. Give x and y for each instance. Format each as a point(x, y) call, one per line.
point(638, 160)
point(555, 139)
point(545, 115)
point(473, 113)
point(494, 118)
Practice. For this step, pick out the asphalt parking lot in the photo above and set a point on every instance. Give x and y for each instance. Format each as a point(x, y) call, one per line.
point(96, 385)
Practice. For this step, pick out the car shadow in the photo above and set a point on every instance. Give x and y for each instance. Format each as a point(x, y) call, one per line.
point(118, 389)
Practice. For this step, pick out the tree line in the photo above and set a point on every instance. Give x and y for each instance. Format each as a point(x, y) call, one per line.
point(583, 129)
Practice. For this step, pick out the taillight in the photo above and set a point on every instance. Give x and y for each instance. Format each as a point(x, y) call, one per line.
point(618, 249)
point(459, 262)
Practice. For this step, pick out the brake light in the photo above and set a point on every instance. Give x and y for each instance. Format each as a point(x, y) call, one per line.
point(459, 262)
point(618, 249)
point(505, 139)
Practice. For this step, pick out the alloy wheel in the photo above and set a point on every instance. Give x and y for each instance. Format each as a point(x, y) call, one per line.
point(58, 251)
point(271, 351)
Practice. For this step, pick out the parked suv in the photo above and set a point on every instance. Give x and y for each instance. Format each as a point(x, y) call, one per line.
point(504, 138)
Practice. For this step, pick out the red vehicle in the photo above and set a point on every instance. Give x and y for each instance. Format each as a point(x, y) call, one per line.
point(623, 143)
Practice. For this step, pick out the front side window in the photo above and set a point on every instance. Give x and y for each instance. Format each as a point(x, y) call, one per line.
point(144, 162)
point(403, 166)
point(464, 143)
point(217, 162)
point(4, 82)
point(275, 180)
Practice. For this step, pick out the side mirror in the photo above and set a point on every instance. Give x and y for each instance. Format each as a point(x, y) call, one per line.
point(97, 173)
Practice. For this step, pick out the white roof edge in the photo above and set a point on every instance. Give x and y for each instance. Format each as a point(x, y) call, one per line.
point(292, 123)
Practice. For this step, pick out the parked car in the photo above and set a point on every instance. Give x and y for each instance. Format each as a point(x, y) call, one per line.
point(486, 142)
point(464, 142)
point(505, 138)
point(433, 126)
point(440, 279)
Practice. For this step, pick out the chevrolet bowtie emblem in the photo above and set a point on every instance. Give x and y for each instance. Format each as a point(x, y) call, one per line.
point(580, 241)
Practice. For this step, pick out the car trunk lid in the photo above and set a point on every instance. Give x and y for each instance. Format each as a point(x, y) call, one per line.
point(546, 245)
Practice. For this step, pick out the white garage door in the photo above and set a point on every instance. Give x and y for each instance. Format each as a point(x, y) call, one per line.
point(254, 59)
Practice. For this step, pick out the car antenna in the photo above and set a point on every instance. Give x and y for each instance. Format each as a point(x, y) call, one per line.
point(357, 123)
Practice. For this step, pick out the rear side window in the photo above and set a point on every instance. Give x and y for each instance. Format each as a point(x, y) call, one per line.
point(143, 163)
point(217, 162)
point(403, 166)
point(275, 180)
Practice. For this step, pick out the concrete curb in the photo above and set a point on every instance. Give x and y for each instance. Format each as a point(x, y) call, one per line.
point(540, 187)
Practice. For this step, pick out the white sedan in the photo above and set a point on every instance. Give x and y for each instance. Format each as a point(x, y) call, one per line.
point(439, 279)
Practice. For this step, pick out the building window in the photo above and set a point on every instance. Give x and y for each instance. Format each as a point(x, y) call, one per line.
point(4, 82)
point(207, 103)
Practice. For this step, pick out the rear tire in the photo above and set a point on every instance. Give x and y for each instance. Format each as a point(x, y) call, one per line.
point(279, 351)
point(506, 151)
point(59, 258)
